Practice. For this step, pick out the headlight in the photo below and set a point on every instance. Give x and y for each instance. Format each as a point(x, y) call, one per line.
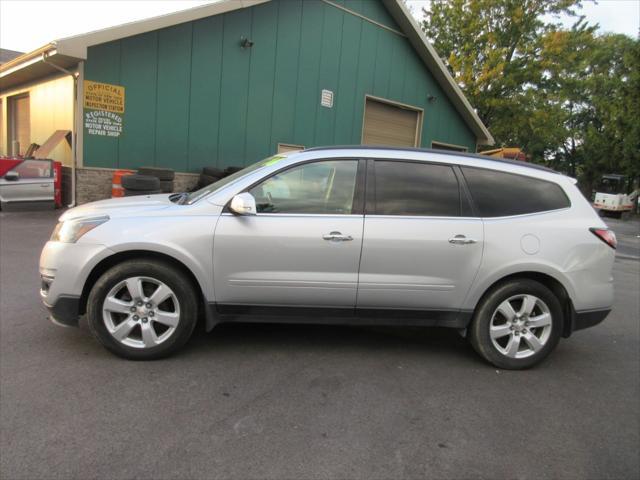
point(70, 231)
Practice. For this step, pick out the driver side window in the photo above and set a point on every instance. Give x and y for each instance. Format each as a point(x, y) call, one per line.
point(315, 188)
point(34, 169)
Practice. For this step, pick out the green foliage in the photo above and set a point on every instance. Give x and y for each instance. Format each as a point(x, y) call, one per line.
point(568, 97)
point(609, 127)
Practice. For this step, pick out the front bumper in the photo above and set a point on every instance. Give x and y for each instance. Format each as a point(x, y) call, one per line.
point(64, 269)
point(66, 311)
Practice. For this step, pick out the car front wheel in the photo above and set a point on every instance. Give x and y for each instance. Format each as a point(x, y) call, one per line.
point(142, 309)
point(517, 324)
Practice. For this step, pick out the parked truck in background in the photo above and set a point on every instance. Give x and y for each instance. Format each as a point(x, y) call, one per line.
point(614, 195)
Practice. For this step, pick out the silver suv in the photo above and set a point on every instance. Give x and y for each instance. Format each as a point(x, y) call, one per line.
point(510, 254)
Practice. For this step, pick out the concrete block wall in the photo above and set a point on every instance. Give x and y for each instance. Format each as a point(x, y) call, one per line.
point(185, 182)
point(95, 183)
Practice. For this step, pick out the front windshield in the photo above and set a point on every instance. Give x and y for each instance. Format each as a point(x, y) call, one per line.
point(203, 192)
point(612, 185)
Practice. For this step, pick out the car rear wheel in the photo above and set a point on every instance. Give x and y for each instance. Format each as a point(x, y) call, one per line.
point(142, 310)
point(517, 324)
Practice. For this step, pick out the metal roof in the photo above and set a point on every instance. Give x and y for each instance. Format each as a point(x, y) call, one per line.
point(75, 48)
point(6, 55)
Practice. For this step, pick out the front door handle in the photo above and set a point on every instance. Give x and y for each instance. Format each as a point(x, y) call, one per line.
point(337, 237)
point(462, 240)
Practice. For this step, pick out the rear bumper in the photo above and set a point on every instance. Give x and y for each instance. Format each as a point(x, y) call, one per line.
point(588, 318)
point(66, 310)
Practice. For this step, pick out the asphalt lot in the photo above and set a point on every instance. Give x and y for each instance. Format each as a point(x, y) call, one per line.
point(298, 402)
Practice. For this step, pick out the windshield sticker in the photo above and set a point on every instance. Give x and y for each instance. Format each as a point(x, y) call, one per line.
point(274, 160)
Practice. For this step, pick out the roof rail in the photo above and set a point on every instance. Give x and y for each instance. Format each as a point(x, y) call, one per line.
point(436, 151)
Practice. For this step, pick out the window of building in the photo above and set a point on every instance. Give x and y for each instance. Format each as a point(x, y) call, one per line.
point(500, 194)
point(288, 147)
point(390, 123)
point(413, 188)
point(448, 146)
point(19, 124)
point(315, 188)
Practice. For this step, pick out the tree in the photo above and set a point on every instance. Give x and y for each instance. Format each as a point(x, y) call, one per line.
point(494, 51)
point(610, 125)
point(567, 96)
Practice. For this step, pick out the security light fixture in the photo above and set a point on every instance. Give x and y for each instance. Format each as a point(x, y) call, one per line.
point(245, 42)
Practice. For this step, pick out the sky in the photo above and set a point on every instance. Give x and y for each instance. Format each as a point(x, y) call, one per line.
point(28, 24)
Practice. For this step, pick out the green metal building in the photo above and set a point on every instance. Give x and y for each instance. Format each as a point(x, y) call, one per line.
point(238, 80)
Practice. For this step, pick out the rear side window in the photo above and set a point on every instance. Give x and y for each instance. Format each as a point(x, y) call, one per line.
point(500, 194)
point(420, 189)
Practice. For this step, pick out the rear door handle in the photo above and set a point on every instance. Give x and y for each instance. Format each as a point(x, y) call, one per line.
point(337, 237)
point(462, 240)
point(44, 185)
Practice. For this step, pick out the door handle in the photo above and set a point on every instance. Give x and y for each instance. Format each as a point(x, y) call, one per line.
point(337, 236)
point(44, 185)
point(462, 240)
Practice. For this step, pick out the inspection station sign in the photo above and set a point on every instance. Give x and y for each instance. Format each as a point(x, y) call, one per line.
point(104, 106)
point(103, 96)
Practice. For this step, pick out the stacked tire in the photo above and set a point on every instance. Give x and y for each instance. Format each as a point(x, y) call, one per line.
point(211, 175)
point(165, 175)
point(148, 181)
point(137, 184)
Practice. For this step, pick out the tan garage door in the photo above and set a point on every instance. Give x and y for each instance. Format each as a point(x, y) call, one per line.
point(388, 124)
point(19, 123)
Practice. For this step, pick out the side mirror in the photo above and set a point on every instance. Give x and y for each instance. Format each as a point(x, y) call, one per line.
point(12, 176)
point(243, 204)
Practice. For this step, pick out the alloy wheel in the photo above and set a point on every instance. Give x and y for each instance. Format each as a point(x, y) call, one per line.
point(520, 326)
point(141, 312)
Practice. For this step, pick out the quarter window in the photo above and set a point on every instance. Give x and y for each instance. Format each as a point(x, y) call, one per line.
point(412, 188)
point(500, 194)
point(313, 188)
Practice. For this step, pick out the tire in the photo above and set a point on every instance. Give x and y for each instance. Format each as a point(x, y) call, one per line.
point(140, 182)
point(138, 343)
point(212, 172)
point(166, 186)
point(206, 180)
point(135, 193)
point(162, 174)
point(520, 337)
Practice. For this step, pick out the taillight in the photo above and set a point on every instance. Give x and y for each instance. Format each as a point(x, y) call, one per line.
point(606, 235)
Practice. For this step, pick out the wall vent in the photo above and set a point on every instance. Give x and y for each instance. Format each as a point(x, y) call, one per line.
point(326, 99)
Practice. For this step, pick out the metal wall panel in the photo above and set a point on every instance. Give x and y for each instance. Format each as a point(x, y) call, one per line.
point(139, 72)
point(174, 86)
point(103, 65)
point(195, 97)
point(261, 81)
point(204, 104)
